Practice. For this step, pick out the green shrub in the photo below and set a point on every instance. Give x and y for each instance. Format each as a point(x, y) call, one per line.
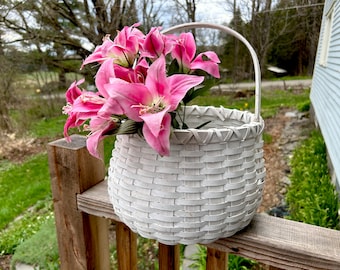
point(267, 138)
point(311, 196)
point(25, 226)
point(239, 263)
point(304, 106)
point(199, 258)
point(40, 250)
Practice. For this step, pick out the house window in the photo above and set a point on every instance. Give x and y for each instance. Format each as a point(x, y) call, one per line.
point(326, 37)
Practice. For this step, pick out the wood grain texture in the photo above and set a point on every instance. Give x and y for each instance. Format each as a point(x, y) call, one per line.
point(274, 241)
point(216, 259)
point(95, 201)
point(126, 247)
point(82, 238)
point(285, 244)
point(169, 257)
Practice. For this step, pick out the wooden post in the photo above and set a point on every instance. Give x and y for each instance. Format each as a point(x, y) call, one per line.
point(126, 247)
point(216, 259)
point(82, 239)
point(168, 257)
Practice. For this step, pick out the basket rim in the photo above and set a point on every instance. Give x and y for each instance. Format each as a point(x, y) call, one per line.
point(246, 114)
point(249, 127)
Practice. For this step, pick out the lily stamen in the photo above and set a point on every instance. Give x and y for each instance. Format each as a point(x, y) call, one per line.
point(156, 106)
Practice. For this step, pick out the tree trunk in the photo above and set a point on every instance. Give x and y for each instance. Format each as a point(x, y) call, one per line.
point(5, 122)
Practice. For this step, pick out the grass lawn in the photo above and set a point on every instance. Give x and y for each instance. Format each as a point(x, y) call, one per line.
point(21, 186)
point(271, 101)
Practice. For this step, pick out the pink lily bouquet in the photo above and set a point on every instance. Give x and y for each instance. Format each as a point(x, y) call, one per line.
point(142, 82)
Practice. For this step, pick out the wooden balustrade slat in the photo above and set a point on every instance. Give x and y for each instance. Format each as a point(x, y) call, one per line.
point(216, 259)
point(169, 257)
point(274, 241)
point(126, 247)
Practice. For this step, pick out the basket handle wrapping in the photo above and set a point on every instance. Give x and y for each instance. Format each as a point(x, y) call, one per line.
point(243, 40)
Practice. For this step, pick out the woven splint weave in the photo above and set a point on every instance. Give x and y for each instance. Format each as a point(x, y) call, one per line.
point(208, 188)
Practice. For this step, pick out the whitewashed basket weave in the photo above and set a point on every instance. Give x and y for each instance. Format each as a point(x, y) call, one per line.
point(208, 188)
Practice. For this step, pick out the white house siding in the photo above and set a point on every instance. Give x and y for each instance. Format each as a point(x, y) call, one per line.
point(325, 91)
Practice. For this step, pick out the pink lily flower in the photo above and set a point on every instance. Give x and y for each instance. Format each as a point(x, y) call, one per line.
point(127, 44)
point(184, 52)
point(72, 95)
point(123, 49)
point(84, 105)
point(151, 102)
point(156, 44)
point(109, 70)
point(99, 127)
point(73, 92)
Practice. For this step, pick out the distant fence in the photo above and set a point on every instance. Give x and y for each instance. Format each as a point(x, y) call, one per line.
point(265, 85)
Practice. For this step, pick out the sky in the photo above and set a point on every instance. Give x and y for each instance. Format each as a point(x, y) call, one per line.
point(207, 11)
point(212, 12)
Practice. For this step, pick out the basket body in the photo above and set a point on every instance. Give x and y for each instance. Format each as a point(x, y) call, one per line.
point(208, 188)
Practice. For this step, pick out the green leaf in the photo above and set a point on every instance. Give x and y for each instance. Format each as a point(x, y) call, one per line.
point(129, 127)
point(174, 122)
point(195, 92)
point(184, 126)
point(202, 125)
point(173, 68)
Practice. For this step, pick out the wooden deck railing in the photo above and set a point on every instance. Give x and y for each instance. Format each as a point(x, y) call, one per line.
point(82, 213)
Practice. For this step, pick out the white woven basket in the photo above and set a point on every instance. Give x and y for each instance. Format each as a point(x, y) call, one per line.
point(208, 188)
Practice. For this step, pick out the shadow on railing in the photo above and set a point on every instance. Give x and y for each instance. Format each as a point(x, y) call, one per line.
point(82, 212)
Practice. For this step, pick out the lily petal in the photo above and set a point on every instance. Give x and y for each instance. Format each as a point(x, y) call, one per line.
point(104, 73)
point(156, 44)
point(184, 50)
point(110, 107)
point(156, 80)
point(73, 92)
point(160, 143)
point(179, 85)
point(99, 127)
point(207, 61)
point(128, 95)
point(154, 121)
point(100, 53)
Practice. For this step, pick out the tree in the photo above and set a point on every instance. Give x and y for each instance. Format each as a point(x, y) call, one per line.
point(260, 25)
point(184, 11)
point(283, 33)
point(295, 50)
point(67, 29)
point(308, 30)
point(9, 59)
point(151, 12)
point(72, 24)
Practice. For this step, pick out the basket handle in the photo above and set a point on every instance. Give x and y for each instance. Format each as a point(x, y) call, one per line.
point(239, 37)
